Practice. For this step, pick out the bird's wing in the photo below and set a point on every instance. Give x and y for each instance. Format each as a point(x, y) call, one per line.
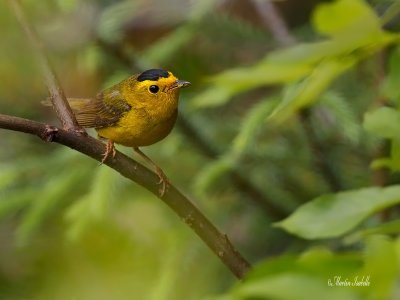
point(103, 111)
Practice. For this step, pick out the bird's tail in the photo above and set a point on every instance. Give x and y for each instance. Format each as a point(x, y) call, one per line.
point(85, 110)
point(76, 104)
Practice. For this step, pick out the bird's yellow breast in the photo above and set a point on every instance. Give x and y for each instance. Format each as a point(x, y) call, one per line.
point(147, 122)
point(137, 128)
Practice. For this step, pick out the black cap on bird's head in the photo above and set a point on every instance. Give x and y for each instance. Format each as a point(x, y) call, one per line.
point(153, 74)
point(163, 80)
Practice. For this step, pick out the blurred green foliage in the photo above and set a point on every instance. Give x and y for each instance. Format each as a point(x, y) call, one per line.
point(305, 136)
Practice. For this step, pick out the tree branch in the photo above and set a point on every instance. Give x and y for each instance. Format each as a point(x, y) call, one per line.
point(127, 167)
point(274, 22)
point(321, 160)
point(57, 96)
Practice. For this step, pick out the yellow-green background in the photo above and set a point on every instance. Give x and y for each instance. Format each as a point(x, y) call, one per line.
point(293, 122)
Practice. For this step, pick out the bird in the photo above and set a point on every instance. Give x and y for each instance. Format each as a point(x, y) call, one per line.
point(138, 111)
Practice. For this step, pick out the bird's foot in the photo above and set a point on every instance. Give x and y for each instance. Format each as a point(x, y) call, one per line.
point(110, 149)
point(163, 181)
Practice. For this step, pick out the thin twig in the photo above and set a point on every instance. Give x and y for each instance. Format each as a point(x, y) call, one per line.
point(127, 167)
point(390, 14)
point(274, 22)
point(321, 161)
point(57, 96)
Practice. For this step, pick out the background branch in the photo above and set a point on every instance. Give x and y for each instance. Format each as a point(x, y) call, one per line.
point(274, 22)
point(57, 96)
point(321, 159)
point(127, 167)
point(280, 31)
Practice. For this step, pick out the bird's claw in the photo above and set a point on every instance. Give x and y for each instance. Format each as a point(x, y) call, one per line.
point(163, 181)
point(109, 149)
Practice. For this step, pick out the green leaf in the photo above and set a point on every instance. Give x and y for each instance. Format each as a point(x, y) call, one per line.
point(393, 162)
point(323, 262)
point(269, 72)
point(166, 47)
point(305, 53)
point(341, 16)
point(95, 205)
point(251, 125)
point(8, 175)
point(381, 163)
point(333, 215)
point(381, 266)
point(395, 155)
point(383, 122)
point(113, 18)
point(213, 96)
point(90, 59)
point(312, 53)
point(346, 120)
point(293, 286)
point(306, 92)
point(318, 261)
point(238, 80)
point(67, 5)
point(11, 203)
point(55, 192)
point(298, 277)
point(391, 227)
point(210, 174)
point(355, 34)
point(391, 84)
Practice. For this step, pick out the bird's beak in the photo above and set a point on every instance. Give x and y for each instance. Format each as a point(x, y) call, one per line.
point(179, 84)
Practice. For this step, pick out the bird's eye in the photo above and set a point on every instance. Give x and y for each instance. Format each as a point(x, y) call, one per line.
point(154, 89)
